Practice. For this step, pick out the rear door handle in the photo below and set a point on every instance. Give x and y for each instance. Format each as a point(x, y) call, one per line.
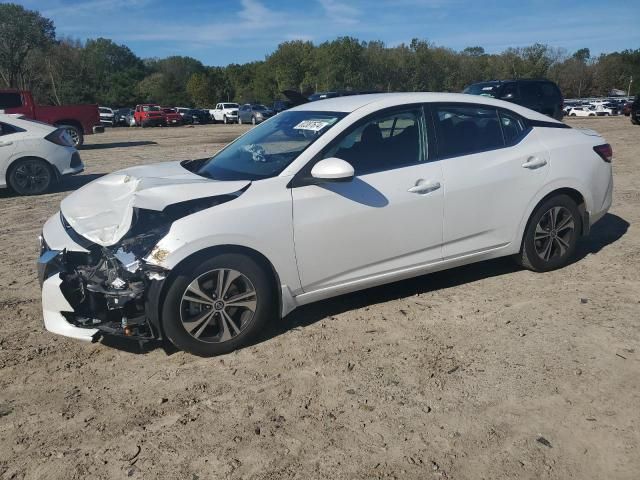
point(422, 187)
point(532, 163)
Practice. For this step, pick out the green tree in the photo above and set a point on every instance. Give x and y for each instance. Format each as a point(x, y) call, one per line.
point(22, 32)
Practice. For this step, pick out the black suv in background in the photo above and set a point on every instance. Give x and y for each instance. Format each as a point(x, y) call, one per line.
point(634, 114)
point(542, 95)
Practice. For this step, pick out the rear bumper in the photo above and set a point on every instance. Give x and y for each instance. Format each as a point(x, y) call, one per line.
point(602, 210)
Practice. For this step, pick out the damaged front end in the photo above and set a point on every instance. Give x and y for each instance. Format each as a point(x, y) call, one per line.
point(111, 289)
point(92, 267)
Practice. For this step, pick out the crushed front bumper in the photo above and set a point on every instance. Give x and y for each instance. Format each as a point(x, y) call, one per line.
point(76, 300)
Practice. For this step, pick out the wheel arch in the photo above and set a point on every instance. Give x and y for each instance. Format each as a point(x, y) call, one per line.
point(72, 122)
point(571, 192)
point(158, 291)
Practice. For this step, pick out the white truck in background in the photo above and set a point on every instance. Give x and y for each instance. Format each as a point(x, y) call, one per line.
point(225, 113)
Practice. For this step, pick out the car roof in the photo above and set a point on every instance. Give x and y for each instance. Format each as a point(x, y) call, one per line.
point(18, 120)
point(352, 103)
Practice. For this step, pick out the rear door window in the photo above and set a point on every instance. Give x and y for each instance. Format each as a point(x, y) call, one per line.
point(10, 100)
point(463, 130)
point(530, 91)
point(549, 90)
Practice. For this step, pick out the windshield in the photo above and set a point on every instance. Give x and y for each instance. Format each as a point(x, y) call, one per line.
point(230, 105)
point(259, 107)
point(169, 110)
point(269, 148)
point(486, 89)
point(150, 108)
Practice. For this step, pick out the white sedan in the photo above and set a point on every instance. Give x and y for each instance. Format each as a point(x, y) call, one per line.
point(323, 199)
point(34, 155)
point(584, 111)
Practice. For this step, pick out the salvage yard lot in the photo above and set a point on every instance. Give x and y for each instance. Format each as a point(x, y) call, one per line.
point(486, 371)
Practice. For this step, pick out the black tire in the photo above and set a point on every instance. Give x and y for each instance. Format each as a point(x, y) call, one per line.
point(533, 248)
point(173, 308)
point(239, 120)
point(572, 114)
point(75, 133)
point(224, 120)
point(253, 121)
point(635, 121)
point(22, 172)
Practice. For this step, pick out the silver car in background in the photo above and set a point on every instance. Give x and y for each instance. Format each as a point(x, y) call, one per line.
point(254, 113)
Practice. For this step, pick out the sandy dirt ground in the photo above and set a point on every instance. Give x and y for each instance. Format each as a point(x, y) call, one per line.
point(482, 372)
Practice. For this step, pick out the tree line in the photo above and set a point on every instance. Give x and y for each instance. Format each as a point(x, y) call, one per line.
point(63, 70)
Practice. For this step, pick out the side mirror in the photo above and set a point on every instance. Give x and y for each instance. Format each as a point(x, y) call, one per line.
point(333, 170)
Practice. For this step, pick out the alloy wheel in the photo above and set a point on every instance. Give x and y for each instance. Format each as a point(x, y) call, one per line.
point(31, 177)
point(554, 233)
point(75, 137)
point(218, 305)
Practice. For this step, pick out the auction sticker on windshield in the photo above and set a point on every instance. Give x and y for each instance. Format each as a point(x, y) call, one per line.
point(312, 125)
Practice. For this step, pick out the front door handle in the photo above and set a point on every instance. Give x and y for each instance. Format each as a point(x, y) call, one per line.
point(532, 163)
point(5, 144)
point(422, 187)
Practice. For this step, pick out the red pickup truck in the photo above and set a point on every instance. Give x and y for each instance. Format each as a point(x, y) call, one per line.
point(78, 120)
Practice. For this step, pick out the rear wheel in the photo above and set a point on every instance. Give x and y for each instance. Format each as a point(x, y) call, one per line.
point(30, 176)
point(75, 133)
point(253, 120)
point(239, 120)
point(552, 234)
point(217, 305)
point(635, 121)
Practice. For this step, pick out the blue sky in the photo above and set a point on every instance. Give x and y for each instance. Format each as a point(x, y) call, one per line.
point(219, 32)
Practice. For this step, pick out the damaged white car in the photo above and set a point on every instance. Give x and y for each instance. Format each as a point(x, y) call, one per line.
point(323, 199)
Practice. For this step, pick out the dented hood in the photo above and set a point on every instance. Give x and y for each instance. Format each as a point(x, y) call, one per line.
point(102, 210)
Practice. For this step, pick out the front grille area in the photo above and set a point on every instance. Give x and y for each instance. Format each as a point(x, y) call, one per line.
point(75, 160)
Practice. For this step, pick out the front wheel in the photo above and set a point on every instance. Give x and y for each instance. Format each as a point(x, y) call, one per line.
point(635, 121)
point(551, 236)
point(239, 120)
point(224, 120)
point(218, 305)
point(30, 176)
point(253, 120)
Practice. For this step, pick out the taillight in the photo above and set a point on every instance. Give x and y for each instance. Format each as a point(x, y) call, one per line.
point(605, 151)
point(60, 137)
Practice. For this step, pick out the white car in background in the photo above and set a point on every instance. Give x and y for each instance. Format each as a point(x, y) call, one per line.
point(225, 113)
point(107, 116)
point(606, 110)
point(582, 111)
point(320, 200)
point(34, 155)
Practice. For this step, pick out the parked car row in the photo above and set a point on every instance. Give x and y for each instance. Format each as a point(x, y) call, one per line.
point(154, 115)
